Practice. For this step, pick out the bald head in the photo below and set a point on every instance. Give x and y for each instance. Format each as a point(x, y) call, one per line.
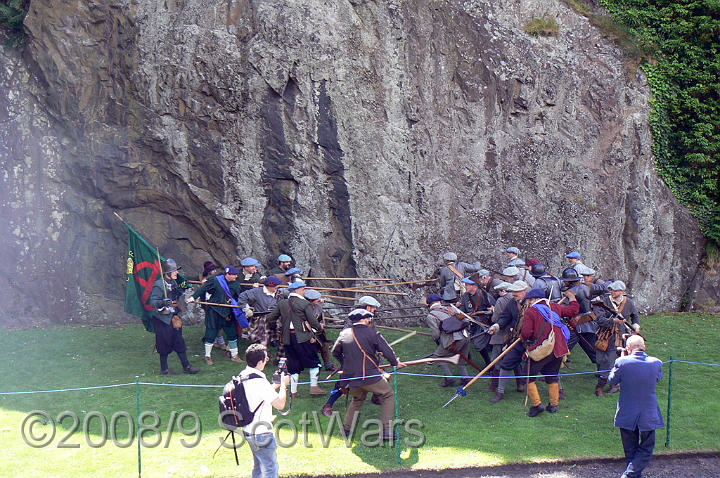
point(635, 342)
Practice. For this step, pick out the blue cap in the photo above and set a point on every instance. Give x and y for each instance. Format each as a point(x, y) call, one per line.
point(535, 294)
point(434, 298)
point(296, 285)
point(284, 258)
point(573, 255)
point(312, 294)
point(250, 261)
point(514, 250)
point(232, 270)
point(272, 281)
point(468, 280)
point(293, 271)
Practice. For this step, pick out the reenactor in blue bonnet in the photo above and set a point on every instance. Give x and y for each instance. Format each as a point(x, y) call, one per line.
point(250, 274)
point(298, 325)
point(478, 303)
point(284, 263)
point(223, 290)
point(316, 300)
point(574, 258)
point(166, 321)
point(257, 302)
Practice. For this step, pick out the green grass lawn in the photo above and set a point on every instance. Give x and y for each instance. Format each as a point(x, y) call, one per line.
point(470, 431)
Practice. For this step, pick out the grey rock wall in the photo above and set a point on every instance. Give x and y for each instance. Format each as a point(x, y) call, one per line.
point(361, 137)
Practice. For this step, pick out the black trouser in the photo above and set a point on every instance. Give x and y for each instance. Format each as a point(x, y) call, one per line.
point(638, 447)
point(587, 342)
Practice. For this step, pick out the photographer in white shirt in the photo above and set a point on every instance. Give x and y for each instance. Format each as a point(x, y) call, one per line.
point(260, 392)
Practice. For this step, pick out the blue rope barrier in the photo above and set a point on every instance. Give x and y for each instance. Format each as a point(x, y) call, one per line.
point(411, 374)
point(68, 389)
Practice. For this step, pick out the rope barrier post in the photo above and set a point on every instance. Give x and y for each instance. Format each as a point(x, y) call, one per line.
point(137, 394)
point(667, 430)
point(397, 417)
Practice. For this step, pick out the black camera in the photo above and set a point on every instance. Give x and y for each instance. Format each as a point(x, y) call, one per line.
point(282, 368)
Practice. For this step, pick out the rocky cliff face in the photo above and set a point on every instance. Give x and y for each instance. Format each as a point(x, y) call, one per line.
point(359, 136)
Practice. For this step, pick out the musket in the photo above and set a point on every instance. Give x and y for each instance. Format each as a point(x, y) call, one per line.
point(462, 391)
point(615, 311)
point(467, 316)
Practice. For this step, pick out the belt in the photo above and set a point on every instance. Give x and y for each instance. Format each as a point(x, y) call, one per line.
point(292, 331)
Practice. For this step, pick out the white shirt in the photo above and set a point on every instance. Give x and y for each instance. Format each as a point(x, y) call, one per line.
point(259, 390)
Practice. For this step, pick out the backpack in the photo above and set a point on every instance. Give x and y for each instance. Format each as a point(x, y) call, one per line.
point(234, 409)
point(451, 324)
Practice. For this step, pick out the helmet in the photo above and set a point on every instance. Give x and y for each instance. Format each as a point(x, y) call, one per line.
point(537, 270)
point(367, 300)
point(570, 275)
point(171, 266)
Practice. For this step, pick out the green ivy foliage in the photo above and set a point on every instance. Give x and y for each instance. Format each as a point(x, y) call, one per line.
point(682, 39)
point(12, 15)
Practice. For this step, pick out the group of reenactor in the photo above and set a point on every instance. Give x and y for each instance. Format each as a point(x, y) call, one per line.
point(533, 318)
point(503, 315)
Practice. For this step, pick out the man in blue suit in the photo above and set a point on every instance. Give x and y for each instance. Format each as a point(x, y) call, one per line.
point(638, 414)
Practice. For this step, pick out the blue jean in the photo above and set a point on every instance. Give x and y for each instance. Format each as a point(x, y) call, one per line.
point(264, 450)
point(638, 447)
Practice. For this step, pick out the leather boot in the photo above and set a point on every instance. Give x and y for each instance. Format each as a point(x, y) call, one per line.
point(498, 396)
point(315, 390)
point(448, 382)
point(493, 385)
point(599, 391)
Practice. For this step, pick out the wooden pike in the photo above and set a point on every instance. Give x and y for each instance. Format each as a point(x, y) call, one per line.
point(402, 330)
point(455, 359)
point(359, 290)
point(219, 305)
point(340, 297)
point(393, 283)
point(404, 337)
point(462, 390)
point(347, 278)
point(398, 329)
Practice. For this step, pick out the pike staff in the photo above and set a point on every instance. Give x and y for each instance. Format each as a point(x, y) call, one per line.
point(462, 391)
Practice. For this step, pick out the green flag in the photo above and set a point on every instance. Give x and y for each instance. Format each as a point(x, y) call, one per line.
point(143, 270)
